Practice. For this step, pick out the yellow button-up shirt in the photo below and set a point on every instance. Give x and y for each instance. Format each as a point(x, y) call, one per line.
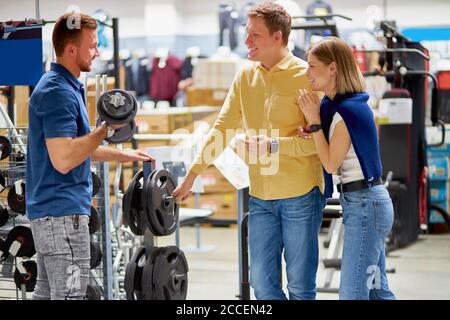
point(264, 101)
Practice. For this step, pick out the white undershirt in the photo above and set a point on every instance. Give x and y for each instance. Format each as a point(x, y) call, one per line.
point(350, 169)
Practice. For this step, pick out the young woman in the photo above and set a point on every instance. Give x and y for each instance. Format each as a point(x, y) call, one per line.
point(345, 135)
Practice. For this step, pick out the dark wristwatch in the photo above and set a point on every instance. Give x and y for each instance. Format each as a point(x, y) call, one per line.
point(315, 127)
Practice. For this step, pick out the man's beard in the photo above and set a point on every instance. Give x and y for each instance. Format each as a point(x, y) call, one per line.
point(84, 65)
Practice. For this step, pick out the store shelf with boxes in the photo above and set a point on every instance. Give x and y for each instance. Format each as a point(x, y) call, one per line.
point(212, 78)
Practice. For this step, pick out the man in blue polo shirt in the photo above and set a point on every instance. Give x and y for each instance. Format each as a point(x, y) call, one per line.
point(60, 149)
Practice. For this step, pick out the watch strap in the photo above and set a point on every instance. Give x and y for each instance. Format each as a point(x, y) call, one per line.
point(315, 127)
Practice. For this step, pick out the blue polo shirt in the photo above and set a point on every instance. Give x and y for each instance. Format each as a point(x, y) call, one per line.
point(57, 109)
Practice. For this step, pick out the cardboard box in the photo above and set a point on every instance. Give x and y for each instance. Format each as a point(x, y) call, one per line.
point(21, 100)
point(214, 181)
point(224, 205)
point(439, 191)
point(163, 123)
point(216, 74)
point(91, 108)
point(438, 168)
point(205, 97)
point(3, 100)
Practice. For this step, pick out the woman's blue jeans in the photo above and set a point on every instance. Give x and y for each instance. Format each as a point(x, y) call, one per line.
point(368, 216)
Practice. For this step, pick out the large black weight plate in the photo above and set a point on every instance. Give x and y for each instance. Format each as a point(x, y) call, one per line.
point(4, 216)
point(170, 277)
point(25, 237)
point(96, 255)
point(94, 220)
point(93, 293)
point(162, 214)
point(146, 203)
point(96, 184)
point(29, 278)
point(5, 147)
point(133, 275)
point(117, 106)
point(16, 202)
point(147, 275)
point(123, 134)
point(132, 207)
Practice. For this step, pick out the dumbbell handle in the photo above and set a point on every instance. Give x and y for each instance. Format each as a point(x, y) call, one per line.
point(180, 276)
point(167, 199)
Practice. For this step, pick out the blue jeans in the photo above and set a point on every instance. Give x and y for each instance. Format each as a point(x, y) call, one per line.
point(368, 216)
point(293, 225)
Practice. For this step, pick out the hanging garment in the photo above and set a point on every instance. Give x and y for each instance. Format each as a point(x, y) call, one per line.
point(228, 20)
point(164, 80)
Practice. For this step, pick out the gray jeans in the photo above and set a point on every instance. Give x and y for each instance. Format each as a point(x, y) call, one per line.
point(63, 256)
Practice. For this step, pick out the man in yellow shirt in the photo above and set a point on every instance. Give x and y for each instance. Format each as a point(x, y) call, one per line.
point(286, 182)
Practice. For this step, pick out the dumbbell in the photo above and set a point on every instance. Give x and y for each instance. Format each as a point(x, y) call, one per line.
point(118, 107)
point(96, 255)
point(16, 197)
point(5, 147)
point(19, 243)
point(93, 293)
point(94, 220)
point(4, 215)
point(26, 273)
point(2, 181)
point(96, 183)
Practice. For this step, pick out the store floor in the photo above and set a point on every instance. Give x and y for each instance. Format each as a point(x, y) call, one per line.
point(422, 269)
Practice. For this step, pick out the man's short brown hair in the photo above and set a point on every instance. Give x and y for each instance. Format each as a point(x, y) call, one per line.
point(68, 28)
point(275, 17)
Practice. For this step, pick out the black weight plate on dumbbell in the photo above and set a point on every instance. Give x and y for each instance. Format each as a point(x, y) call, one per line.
point(96, 184)
point(162, 216)
point(148, 291)
point(117, 106)
point(96, 255)
point(4, 216)
point(2, 181)
point(170, 276)
point(94, 220)
point(93, 293)
point(123, 134)
point(132, 207)
point(29, 278)
point(16, 202)
point(5, 147)
point(25, 237)
point(133, 275)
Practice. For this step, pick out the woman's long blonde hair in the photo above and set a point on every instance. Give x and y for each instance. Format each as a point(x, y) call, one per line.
point(348, 76)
